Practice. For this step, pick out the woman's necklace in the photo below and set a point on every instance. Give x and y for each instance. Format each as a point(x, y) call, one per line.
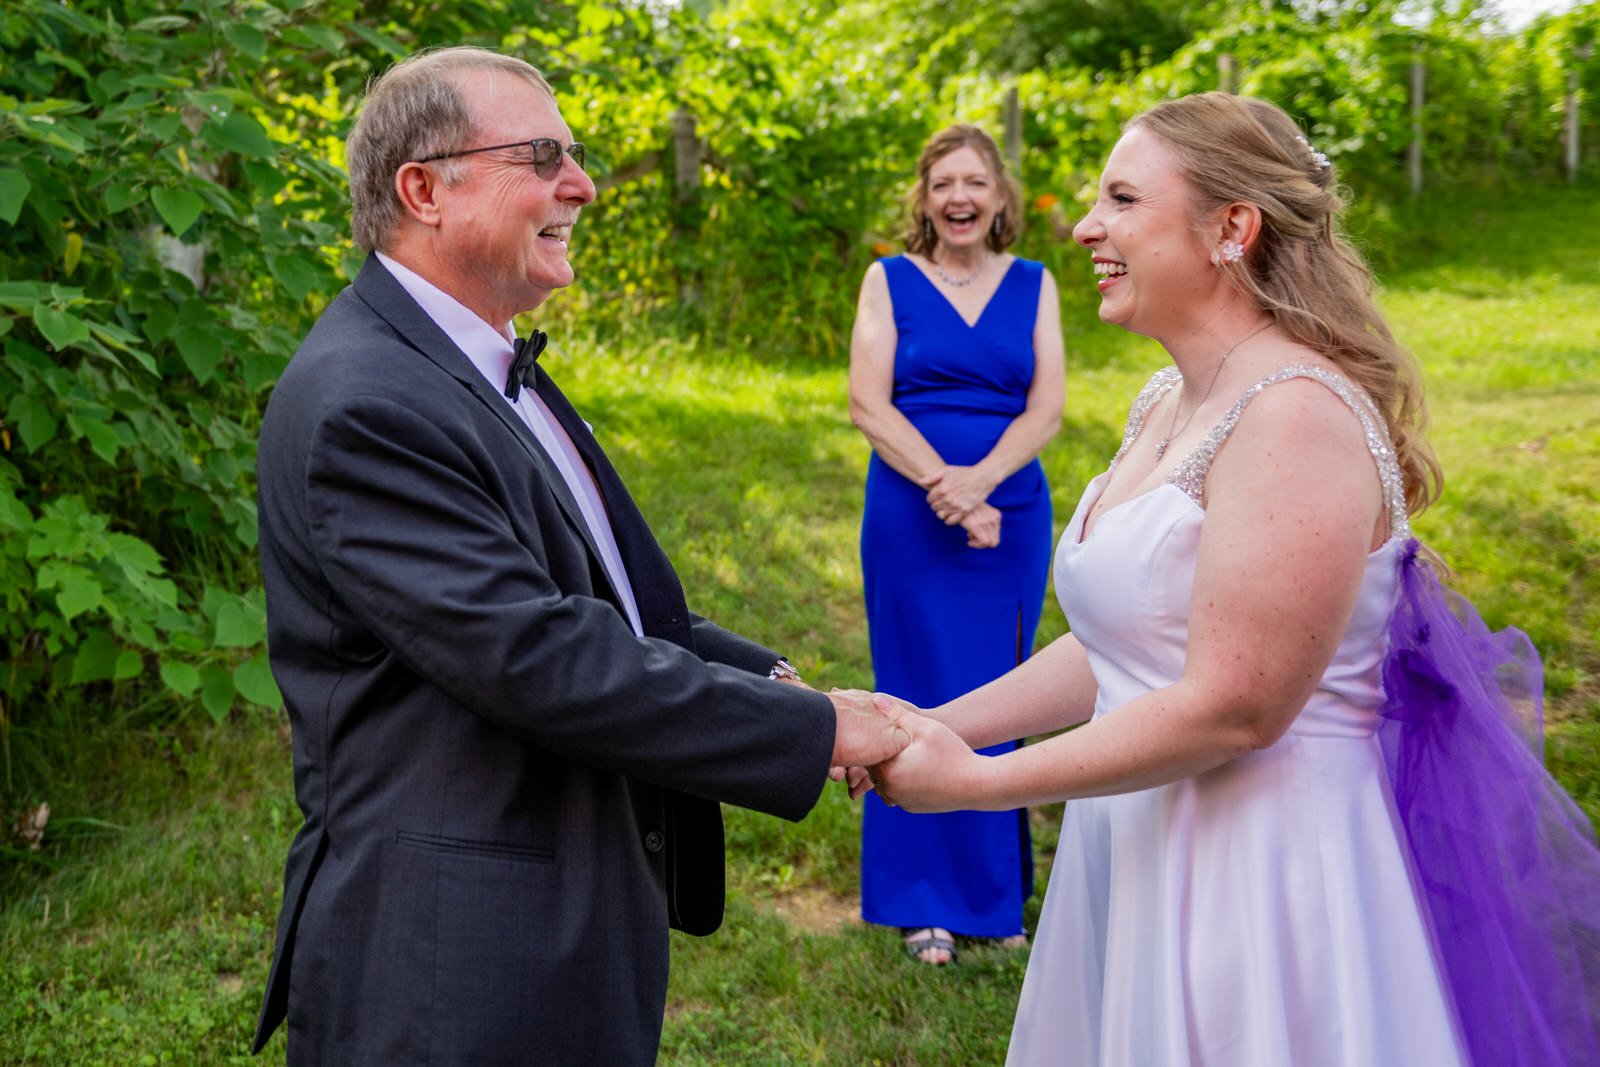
point(1172, 429)
point(957, 282)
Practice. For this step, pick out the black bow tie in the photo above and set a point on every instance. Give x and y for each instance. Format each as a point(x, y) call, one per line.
point(527, 354)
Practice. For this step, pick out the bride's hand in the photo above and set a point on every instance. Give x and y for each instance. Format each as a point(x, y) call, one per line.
point(936, 772)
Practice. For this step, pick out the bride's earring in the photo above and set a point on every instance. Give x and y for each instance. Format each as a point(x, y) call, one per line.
point(1230, 252)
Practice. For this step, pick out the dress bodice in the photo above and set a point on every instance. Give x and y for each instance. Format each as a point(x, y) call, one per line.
point(1126, 588)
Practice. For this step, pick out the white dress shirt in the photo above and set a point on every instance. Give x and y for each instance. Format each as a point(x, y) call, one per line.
point(491, 352)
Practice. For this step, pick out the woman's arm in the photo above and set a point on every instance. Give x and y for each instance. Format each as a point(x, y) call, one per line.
point(872, 346)
point(1050, 690)
point(957, 489)
point(1293, 502)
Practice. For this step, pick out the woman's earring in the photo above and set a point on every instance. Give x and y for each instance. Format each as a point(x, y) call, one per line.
point(1231, 252)
point(999, 226)
point(927, 231)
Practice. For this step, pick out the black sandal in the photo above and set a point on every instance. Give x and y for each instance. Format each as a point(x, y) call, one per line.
point(921, 939)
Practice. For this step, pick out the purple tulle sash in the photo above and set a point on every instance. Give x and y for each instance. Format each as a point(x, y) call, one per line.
point(1506, 863)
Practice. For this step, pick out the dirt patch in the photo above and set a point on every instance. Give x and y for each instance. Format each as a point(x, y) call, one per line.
point(816, 910)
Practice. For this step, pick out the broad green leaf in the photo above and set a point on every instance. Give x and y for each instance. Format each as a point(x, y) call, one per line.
point(23, 295)
point(80, 592)
point(120, 196)
point(14, 514)
point(381, 41)
point(237, 627)
point(101, 437)
point(180, 677)
point(294, 273)
point(200, 348)
point(60, 328)
point(266, 177)
point(216, 692)
point(159, 23)
point(129, 665)
point(240, 133)
point(95, 658)
point(178, 207)
point(34, 420)
point(246, 38)
point(253, 678)
point(14, 186)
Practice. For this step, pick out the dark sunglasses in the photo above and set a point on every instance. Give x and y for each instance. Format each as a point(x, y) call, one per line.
point(547, 153)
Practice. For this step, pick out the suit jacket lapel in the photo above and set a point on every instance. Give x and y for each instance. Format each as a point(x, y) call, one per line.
point(389, 300)
point(656, 588)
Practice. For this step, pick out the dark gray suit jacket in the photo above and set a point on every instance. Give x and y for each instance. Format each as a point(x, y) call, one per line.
point(508, 796)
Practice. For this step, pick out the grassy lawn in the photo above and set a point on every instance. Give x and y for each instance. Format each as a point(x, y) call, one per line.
point(142, 934)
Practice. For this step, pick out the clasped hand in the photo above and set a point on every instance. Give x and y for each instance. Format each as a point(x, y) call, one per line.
point(958, 496)
point(933, 770)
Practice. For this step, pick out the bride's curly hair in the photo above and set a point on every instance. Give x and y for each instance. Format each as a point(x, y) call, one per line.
point(1301, 269)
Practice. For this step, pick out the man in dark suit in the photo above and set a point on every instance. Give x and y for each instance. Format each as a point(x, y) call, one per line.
point(510, 734)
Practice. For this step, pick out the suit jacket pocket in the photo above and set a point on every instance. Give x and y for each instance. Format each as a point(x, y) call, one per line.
point(490, 850)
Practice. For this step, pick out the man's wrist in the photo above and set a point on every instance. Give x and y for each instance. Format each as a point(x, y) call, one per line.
point(784, 671)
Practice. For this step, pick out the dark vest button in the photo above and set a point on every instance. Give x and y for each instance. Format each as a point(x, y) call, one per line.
point(655, 840)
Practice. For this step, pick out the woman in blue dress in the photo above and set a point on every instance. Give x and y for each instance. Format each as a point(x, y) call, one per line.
point(957, 381)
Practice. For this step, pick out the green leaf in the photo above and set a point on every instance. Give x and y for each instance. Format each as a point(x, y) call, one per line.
point(236, 627)
point(216, 692)
point(61, 328)
point(120, 197)
point(381, 41)
point(14, 186)
point(80, 592)
point(180, 677)
point(253, 678)
point(246, 38)
point(95, 658)
point(129, 665)
point(297, 276)
point(200, 348)
point(101, 437)
point(178, 207)
point(238, 132)
point(23, 295)
point(267, 178)
point(36, 423)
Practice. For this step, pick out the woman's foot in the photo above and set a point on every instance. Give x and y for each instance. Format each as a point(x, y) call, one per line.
point(933, 945)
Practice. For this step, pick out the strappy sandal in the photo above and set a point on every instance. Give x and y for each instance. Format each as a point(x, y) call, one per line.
point(922, 939)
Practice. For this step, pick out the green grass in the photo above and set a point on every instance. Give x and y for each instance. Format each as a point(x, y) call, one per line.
point(141, 934)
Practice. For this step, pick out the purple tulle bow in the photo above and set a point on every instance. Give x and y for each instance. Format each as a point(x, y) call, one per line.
point(1507, 864)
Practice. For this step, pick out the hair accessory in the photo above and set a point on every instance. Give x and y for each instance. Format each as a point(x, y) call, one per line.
point(1316, 157)
point(1230, 252)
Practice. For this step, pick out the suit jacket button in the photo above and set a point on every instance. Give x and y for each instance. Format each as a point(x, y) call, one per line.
point(655, 840)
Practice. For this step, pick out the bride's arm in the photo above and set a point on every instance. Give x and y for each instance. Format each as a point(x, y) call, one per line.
point(1293, 503)
point(1050, 690)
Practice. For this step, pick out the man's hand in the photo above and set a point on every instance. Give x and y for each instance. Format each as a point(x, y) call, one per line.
point(864, 735)
point(936, 772)
point(983, 526)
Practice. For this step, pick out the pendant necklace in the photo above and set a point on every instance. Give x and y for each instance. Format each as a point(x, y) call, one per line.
point(1172, 429)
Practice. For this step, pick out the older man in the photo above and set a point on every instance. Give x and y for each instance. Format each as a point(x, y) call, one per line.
point(510, 733)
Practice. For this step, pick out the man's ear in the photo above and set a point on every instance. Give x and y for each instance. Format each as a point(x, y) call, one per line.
point(417, 189)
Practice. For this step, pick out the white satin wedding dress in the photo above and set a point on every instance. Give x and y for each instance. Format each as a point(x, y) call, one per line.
point(1258, 915)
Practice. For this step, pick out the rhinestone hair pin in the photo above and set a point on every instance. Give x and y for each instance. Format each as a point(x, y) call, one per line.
point(1316, 157)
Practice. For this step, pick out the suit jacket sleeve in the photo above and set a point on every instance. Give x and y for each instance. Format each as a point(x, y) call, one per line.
point(421, 543)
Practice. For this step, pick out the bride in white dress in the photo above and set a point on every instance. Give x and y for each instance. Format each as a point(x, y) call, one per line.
point(1233, 885)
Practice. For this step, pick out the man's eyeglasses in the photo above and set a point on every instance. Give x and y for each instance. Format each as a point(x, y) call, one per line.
point(547, 153)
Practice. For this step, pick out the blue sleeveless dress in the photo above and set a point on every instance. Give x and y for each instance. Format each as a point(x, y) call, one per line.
point(944, 618)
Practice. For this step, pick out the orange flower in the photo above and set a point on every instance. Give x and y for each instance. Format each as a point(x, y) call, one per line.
point(1046, 201)
point(880, 248)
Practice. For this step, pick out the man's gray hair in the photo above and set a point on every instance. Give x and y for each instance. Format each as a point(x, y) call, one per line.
point(413, 110)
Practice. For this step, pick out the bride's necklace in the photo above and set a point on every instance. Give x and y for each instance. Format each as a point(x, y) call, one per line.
point(1172, 429)
point(957, 282)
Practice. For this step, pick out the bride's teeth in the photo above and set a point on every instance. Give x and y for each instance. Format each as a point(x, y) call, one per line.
point(1110, 269)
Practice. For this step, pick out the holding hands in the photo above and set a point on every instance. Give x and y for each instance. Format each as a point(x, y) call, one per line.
point(933, 771)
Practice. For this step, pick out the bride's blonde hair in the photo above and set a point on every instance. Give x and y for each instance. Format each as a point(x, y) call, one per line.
point(1301, 269)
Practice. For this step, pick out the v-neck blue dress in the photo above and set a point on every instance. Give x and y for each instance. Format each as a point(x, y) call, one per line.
point(944, 618)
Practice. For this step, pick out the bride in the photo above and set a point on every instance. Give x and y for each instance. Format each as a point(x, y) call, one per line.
point(1257, 865)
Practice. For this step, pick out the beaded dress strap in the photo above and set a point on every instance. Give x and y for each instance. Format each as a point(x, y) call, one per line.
point(1190, 474)
point(1160, 383)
